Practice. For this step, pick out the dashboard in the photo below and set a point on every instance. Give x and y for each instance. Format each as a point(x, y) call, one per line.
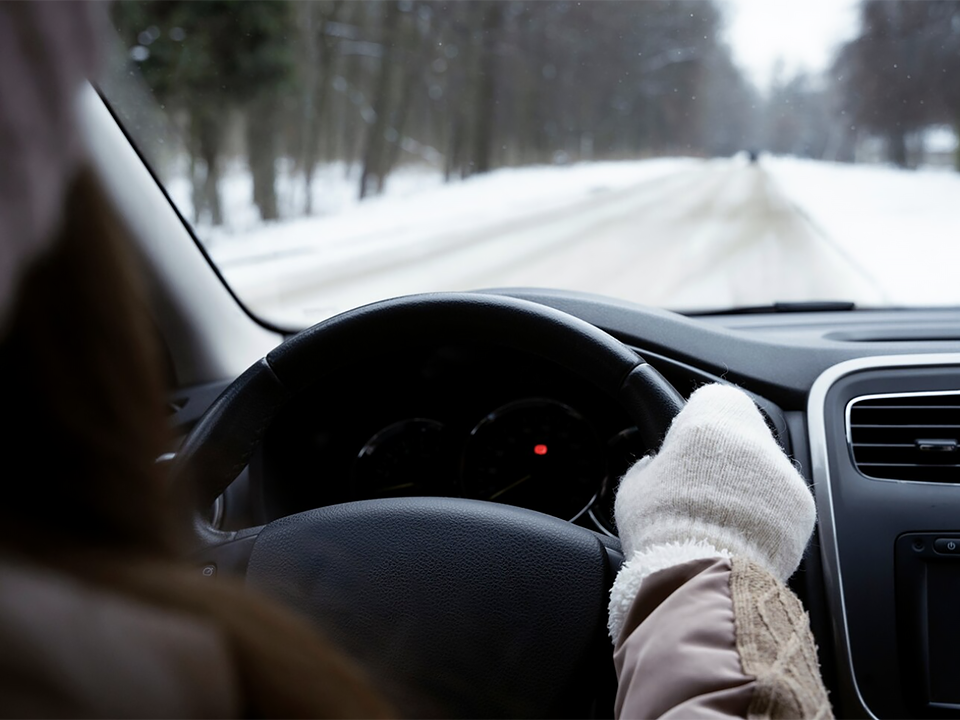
point(867, 403)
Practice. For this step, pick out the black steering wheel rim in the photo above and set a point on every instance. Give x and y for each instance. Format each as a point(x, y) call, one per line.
point(221, 444)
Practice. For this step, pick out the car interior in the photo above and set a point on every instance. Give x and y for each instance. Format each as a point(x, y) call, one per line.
point(434, 472)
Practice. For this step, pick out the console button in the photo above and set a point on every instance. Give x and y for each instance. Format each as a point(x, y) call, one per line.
point(947, 546)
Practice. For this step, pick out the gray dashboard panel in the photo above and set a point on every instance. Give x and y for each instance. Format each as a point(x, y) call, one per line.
point(779, 356)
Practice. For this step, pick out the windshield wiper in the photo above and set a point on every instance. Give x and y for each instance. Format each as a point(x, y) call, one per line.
point(782, 307)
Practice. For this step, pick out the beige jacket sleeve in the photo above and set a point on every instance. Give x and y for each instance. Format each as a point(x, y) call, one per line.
point(717, 638)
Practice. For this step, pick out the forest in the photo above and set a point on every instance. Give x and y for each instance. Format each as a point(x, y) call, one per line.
point(468, 86)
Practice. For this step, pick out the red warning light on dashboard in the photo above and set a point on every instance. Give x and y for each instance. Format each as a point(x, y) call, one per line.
point(539, 449)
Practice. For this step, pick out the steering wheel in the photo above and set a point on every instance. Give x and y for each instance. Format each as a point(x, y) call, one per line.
point(456, 607)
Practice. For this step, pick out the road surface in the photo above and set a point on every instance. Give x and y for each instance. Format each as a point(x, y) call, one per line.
point(715, 234)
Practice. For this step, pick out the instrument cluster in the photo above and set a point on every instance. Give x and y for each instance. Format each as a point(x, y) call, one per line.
point(537, 453)
point(463, 421)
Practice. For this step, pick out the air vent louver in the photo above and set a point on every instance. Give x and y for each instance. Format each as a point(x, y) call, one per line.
point(911, 436)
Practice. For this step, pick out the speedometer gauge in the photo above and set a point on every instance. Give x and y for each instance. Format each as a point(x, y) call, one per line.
point(408, 458)
point(537, 454)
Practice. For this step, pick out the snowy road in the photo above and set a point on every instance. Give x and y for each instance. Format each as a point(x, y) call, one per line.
point(696, 234)
point(716, 235)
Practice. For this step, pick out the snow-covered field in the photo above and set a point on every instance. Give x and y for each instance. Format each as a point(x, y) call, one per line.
point(681, 233)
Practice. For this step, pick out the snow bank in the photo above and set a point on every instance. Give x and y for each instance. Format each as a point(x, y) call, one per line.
point(901, 227)
point(334, 189)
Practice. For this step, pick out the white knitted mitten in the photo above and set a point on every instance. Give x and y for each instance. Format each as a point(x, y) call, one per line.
point(720, 486)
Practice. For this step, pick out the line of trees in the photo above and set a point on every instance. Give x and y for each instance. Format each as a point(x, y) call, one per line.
point(902, 73)
point(465, 86)
point(895, 79)
point(472, 85)
point(206, 62)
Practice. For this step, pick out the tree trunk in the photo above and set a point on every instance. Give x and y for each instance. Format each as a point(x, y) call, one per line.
point(207, 131)
point(262, 155)
point(454, 159)
point(418, 55)
point(312, 149)
point(897, 147)
point(308, 23)
point(319, 73)
point(374, 153)
point(486, 88)
point(350, 118)
point(956, 151)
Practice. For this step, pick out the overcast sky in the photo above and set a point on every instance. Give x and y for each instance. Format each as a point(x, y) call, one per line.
point(804, 33)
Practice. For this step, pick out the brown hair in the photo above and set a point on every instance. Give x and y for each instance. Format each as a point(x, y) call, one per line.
point(85, 402)
point(85, 393)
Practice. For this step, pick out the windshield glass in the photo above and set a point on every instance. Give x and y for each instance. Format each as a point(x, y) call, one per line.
point(692, 155)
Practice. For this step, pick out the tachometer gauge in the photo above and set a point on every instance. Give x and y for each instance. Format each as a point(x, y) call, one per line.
point(537, 454)
point(409, 458)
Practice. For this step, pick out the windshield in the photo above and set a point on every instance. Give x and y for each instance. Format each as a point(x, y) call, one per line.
point(692, 155)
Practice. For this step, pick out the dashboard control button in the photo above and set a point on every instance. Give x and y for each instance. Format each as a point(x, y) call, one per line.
point(947, 546)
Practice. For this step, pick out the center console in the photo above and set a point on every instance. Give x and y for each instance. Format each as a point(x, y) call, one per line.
point(885, 451)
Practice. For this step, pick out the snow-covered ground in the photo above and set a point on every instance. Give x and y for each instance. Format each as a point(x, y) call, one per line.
point(301, 270)
point(902, 227)
point(681, 233)
point(334, 190)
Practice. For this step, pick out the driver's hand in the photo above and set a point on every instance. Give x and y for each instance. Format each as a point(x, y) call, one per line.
point(719, 487)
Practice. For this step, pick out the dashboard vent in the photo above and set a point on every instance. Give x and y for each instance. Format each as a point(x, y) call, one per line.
point(906, 436)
